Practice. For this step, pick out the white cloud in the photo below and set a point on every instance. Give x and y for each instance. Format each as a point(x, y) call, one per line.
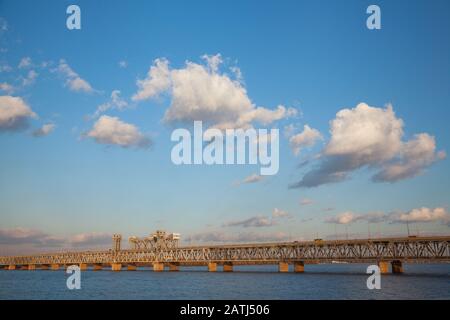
point(421, 215)
point(5, 68)
point(343, 218)
point(14, 113)
point(123, 64)
point(371, 137)
point(253, 178)
point(24, 63)
point(7, 88)
point(278, 213)
point(307, 138)
point(113, 131)
point(201, 92)
point(73, 80)
point(116, 102)
point(30, 78)
point(90, 239)
point(45, 130)
point(157, 81)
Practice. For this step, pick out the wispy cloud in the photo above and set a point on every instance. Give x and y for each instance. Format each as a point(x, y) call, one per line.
point(72, 80)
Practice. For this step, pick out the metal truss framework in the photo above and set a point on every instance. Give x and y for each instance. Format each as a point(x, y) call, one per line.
point(413, 250)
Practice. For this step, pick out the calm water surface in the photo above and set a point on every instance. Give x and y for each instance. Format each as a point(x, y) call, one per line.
point(338, 281)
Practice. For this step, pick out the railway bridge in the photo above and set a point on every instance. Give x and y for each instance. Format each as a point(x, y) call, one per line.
point(161, 252)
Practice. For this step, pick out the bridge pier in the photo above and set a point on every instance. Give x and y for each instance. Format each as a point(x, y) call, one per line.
point(83, 266)
point(158, 266)
point(283, 266)
point(174, 267)
point(299, 267)
point(116, 266)
point(228, 267)
point(31, 267)
point(97, 267)
point(12, 267)
point(131, 267)
point(54, 266)
point(397, 266)
point(43, 266)
point(384, 267)
point(212, 266)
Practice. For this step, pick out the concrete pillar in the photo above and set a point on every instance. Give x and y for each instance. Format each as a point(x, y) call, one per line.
point(97, 267)
point(212, 266)
point(397, 266)
point(44, 266)
point(131, 267)
point(173, 267)
point(228, 267)
point(384, 267)
point(12, 267)
point(54, 266)
point(116, 266)
point(31, 267)
point(283, 267)
point(299, 267)
point(158, 266)
point(83, 266)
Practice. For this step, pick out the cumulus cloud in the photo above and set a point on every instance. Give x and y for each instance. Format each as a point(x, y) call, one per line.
point(202, 92)
point(421, 215)
point(73, 80)
point(371, 137)
point(307, 138)
point(45, 130)
point(14, 114)
point(116, 102)
point(24, 63)
point(222, 237)
point(7, 88)
point(112, 131)
point(342, 218)
point(18, 236)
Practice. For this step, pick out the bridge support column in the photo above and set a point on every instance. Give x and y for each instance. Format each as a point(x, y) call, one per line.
point(54, 266)
point(299, 267)
point(384, 267)
point(158, 266)
point(173, 267)
point(97, 267)
point(228, 267)
point(83, 266)
point(131, 267)
point(116, 266)
point(12, 267)
point(212, 266)
point(397, 266)
point(44, 266)
point(283, 267)
point(31, 267)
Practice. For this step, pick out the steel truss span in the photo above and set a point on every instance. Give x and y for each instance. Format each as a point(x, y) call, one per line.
point(411, 250)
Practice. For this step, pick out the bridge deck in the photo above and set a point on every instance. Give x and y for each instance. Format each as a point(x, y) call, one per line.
point(408, 249)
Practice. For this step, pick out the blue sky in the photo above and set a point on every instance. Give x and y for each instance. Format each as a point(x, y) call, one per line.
point(317, 57)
